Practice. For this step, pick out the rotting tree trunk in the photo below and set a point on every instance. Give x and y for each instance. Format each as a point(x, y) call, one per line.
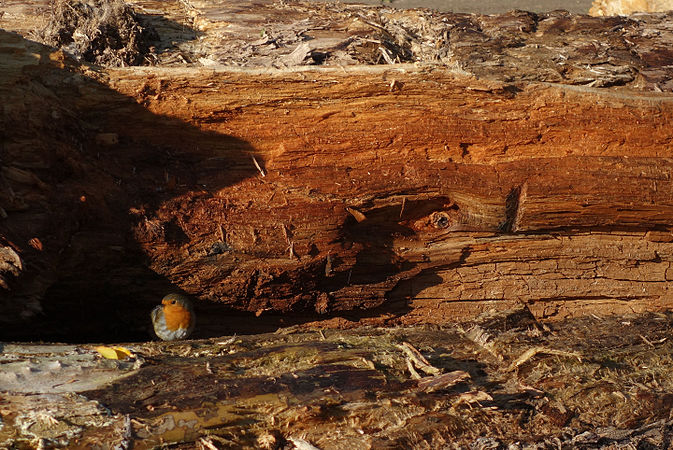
point(513, 160)
point(501, 382)
point(461, 194)
point(454, 181)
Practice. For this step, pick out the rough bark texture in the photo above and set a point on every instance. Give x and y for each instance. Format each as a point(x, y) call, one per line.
point(503, 382)
point(457, 182)
point(434, 168)
point(626, 7)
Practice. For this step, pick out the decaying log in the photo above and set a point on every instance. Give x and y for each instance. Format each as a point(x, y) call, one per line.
point(626, 7)
point(583, 383)
point(490, 166)
point(332, 167)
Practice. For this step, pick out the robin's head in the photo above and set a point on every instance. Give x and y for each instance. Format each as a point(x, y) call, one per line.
point(176, 301)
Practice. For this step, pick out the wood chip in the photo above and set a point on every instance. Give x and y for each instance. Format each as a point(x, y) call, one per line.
point(207, 443)
point(472, 397)
point(414, 374)
point(530, 353)
point(396, 85)
point(419, 361)
point(359, 216)
point(443, 381)
point(301, 444)
point(261, 171)
point(36, 244)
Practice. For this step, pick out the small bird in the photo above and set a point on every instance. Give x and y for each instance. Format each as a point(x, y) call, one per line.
point(174, 318)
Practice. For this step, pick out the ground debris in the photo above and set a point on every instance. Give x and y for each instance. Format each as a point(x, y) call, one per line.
point(415, 358)
point(532, 352)
point(439, 382)
point(301, 444)
point(104, 32)
point(350, 389)
point(482, 339)
point(468, 398)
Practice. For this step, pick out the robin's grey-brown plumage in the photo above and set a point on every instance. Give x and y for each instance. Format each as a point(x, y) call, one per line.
point(174, 318)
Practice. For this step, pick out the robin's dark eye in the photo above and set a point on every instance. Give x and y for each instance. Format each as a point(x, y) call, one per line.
point(172, 302)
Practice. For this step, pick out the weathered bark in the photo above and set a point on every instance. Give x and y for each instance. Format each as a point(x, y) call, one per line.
point(584, 383)
point(626, 7)
point(518, 160)
point(420, 192)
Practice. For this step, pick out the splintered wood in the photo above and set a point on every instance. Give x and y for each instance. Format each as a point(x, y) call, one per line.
point(343, 167)
point(297, 167)
point(351, 388)
point(477, 227)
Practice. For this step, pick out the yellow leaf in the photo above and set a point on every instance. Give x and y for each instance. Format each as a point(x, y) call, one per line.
point(123, 352)
point(107, 352)
point(114, 352)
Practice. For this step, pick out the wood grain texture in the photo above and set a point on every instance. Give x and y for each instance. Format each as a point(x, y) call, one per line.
point(395, 192)
point(445, 169)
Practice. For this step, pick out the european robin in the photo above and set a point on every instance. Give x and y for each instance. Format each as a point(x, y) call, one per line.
point(174, 318)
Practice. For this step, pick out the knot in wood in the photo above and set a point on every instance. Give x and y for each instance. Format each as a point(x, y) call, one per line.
point(440, 220)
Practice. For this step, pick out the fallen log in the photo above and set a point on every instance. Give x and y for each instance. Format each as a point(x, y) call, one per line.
point(491, 165)
point(337, 167)
point(503, 381)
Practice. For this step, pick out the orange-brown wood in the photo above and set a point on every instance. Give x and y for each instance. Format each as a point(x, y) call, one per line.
point(424, 191)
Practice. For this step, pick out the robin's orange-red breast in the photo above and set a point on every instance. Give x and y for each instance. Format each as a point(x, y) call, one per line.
point(174, 318)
